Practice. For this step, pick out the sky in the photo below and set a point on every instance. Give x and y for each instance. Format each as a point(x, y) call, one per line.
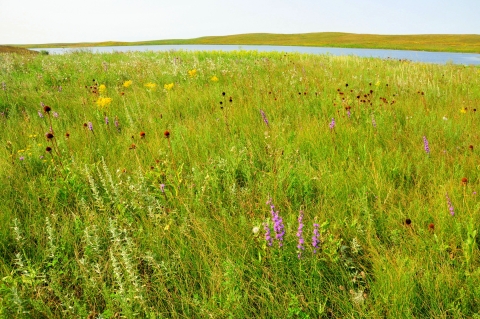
point(68, 21)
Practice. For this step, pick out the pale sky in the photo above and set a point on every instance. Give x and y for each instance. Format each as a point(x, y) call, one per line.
point(54, 21)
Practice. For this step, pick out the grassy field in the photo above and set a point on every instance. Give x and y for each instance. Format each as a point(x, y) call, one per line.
point(428, 42)
point(238, 185)
point(10, 49)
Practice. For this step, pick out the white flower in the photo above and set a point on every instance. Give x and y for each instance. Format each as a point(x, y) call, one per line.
point(444, 118)
point(255, 230)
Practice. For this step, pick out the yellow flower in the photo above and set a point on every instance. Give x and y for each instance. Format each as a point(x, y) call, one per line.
point(214, 79)
point(168, 86)
point(103, 101)
point(377, 84)
point(102, 88)
point(150, 85)
point(463, 110)
point(127, 83)
point(192, 73)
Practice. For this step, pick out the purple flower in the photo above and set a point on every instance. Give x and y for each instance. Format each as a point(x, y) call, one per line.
point(55, 114)
point(264, 117)
point(450, 206)
point(425, 144)
point(21, 158)
point(278, 226)
point(90, 126)
point(42, 104)
point(162, 188)
point(374, 123)
point(106, 120)
point(332, 124)
point(40, 114)
point(301, 241)
point(315, 238)
point(116, 122)
point(349, 114)
point(268, 237)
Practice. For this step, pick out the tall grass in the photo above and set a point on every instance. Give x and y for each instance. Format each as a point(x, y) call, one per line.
point(151, 200)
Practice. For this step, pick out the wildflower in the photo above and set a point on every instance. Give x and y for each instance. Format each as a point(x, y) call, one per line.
point(332, 124)
point(464, 181)
point(377, 84)
point(470, 147)
point(450, 206)
point(142, 134)
point(268, 237)
point(264, 117)
point(168, 87)
point(166, 134)
point(162, 188)
point(127, 83)
point(192, 73)
point(40, 114)
point(255, 230)
point(463, 110)
point(116, 122)
point(425, 144)
point(55, 114)
point(47, 109)
point(103, 101)
point(102, 88)
point(67, 135)
point(374, 123)
point(214, 79)
point(301, 241)
point(444, 118)
point(150, 85)
point(21, 158)
point(431, 226)
point(49, 136)
point(133, 146)
point(90, 126)
point(278, 226)
point(4, 86)
point(106, 120)
point(315, 238)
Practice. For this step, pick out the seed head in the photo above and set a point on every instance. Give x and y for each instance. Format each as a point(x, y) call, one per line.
point(48, 149)
point(142, 134)
point(408, 221)
point(49, 136)
point(464, 181)
point(166, 134)
point(47, 108)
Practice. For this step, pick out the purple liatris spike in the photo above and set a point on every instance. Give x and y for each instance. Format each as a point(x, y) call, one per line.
point(264, 117)
point(278, 226)
point(116, 122)
point(55, 114)
point(301, 241)
point(268, 237)
point(450, 206)
point(40, 114)
point(425, 145)
point(106, 120)
point(315, 238)
point(332, 124)
point(90, 126)
point(349, 114)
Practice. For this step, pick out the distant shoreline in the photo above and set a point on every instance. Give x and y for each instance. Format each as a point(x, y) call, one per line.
point(461, 43)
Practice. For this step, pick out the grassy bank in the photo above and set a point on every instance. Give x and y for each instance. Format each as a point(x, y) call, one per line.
point(430, 42)
point(10, 49)
point(146, 184)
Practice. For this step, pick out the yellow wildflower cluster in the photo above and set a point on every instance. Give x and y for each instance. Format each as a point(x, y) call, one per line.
point(102, 88)
point(150, 85)
point(463, 110)
point(103, 101)
point(192, 73)
point(127, 83)
point(214, 79)
point(168, 86)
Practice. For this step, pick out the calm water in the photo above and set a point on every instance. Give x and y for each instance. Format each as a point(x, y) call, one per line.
point(417, 56)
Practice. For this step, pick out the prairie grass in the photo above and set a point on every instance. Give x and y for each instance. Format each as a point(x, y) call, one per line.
point(469, 43)
point(136, 185)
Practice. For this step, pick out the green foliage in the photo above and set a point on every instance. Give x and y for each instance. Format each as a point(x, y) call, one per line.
point(149, 201)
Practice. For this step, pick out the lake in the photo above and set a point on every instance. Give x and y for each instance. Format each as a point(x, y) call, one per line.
point(416, 56)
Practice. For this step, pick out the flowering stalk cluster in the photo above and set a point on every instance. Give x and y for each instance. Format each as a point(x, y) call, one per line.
point(425, 145)
point(315, 238)
point(332, 124)
point(450, 206)
point(301, 241)
point(264, 117)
